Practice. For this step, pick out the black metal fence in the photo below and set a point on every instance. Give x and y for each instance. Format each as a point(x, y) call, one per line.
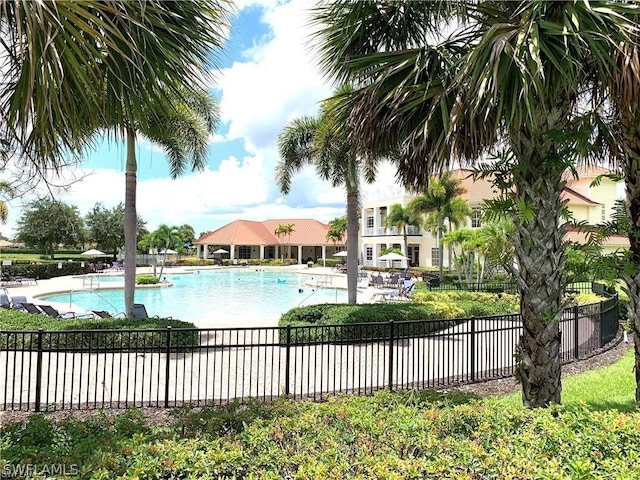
point(47, 370)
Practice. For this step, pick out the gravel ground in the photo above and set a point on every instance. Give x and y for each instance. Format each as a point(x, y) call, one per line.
point(157, 416)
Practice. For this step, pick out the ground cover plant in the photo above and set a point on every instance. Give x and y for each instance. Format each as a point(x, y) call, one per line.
point(389, 435)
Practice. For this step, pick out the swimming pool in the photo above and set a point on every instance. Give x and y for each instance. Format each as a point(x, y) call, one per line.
point(210, 298)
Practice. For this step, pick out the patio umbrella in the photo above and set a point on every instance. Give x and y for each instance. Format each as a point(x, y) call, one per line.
point(221, 251)
point(340, 254)
point(391, 257)
point(93, 253)
point(168, 251)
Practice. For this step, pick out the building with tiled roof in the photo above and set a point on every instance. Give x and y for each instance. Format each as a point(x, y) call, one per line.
point(246, 239)
point(586, 202)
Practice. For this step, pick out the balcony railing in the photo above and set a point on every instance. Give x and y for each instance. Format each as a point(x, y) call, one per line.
point(384, 231)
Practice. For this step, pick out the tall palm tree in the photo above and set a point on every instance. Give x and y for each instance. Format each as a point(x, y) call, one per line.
point(400, 218)
point(285, 230)
point(325, 141)
point(437, 202)
point(623, 89)
point(511, 76)
point(182, 126)
point(135, 66)
point(67, 67)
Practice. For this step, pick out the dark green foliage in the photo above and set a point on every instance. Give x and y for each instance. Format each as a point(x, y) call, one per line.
point(42, 271)
point(20, 331)
point(353, 323)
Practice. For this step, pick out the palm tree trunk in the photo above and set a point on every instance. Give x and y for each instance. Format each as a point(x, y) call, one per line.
point(539, 248)
point(440, 256)
point(632, 281)
point(352, 245)
point(130, 224)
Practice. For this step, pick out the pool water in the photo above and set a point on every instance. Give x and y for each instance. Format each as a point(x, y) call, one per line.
point(239, 297)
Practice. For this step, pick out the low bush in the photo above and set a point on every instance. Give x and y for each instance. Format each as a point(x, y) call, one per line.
point(353, 323)
point(147, 279)
point(388, 435)
point(19, 331)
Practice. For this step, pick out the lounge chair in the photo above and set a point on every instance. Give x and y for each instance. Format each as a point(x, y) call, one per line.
point(53, 313)
point(105, 314)
point(29, 307)
point(140, 311)
point(17, 301)
point(378, 281)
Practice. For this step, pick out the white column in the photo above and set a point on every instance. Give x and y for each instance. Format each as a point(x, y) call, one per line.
point(376, 220)
point(205, 251)
point(261, 252)
point(232, 253)
point(324, 254)
point(299, 254)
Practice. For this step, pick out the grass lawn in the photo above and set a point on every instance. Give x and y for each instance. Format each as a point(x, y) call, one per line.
point(608, 388)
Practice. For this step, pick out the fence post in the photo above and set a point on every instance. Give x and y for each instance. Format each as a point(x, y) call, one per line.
point(473, 349)
point(167, 370)
point(39, 371)
point(576, 331)
point(287, 362)
point(391, 335)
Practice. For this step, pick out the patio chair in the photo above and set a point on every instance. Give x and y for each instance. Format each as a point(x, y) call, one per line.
point(105, 314)
point(17, 301)
point(433, 283)
point(378, 281)
point(5, 300)
point(53, 313)
point(140, 311)
point(29, 307)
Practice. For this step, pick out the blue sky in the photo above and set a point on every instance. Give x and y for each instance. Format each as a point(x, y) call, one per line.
point(268, 77)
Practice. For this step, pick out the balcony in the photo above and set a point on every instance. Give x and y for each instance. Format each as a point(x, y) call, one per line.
point(388, 232)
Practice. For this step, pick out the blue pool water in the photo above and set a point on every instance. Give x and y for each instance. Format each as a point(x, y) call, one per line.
point(210, 298)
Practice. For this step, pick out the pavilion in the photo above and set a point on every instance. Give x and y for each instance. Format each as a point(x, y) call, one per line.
point(247, 239)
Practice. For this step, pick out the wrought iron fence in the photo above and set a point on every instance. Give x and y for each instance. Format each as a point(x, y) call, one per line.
point(47, 370)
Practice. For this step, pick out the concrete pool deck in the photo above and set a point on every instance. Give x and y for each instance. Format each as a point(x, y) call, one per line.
point(318, 277)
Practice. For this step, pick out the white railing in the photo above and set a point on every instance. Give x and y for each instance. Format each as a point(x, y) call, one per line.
point(384, 231)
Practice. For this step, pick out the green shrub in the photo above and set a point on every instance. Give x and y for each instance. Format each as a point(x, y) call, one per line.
point(20, 331)
point(147, 279)
point(353, 323)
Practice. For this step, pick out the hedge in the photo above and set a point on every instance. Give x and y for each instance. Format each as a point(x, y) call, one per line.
point(19, 331)
point(340, 320)
point(41, 271)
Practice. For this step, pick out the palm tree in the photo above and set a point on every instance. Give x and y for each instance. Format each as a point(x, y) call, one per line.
point(325, 141)
point(182, 128)
point(165, 237)
point(623, 133)
point(401, 217)
point(511, 77)
point(337, 229)
point(136, 67)
point(437, 202)
point(54, 97)
point(285, 231)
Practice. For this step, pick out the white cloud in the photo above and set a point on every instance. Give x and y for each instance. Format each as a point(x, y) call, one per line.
point(269, 84)
point(279, 81)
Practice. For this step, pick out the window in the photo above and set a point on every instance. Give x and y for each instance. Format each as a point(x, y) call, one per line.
point(435, 257)
point(476, 217)
point(244, 252)
point(369, 253)
point(369, 222)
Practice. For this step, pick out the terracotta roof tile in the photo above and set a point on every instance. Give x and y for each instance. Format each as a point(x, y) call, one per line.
point(246, 232)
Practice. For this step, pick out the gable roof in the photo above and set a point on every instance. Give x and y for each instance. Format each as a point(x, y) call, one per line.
point(576, 198)
point(247, 232)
